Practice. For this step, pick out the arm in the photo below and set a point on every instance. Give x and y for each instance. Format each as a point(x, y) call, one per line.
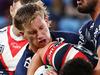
point(35, 63)
point(37, 60)
point(97, 68)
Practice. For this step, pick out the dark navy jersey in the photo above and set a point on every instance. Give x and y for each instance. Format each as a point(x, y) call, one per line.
point(24, 62)
point(67, 37)
point(89, 34)
point(22, 66)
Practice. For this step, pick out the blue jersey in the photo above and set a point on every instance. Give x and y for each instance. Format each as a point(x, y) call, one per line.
point(25, 60)
point(22, 66)
point(67, 37)
point(89, 34)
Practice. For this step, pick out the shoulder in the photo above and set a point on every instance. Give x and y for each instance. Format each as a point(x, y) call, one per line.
point(3, 29)
point(3, 32)
point(86, 25)
point(42, 52)
point(65, 37)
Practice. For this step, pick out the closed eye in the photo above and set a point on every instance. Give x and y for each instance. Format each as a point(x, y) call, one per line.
point(32, 32)
point(42, 27)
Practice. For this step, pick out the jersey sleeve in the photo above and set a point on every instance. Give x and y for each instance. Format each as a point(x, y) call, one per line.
point(65, 37)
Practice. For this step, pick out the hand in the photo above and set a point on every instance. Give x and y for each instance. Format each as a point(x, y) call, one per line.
point(50, 72)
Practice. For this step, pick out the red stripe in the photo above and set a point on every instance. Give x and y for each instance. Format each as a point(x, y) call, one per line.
point(11, 72)
point(64, 58)
point(5, 66)
point(55, 48)
point(81, 55)
point(14, 45)
point(3, 63)
point(46, 53)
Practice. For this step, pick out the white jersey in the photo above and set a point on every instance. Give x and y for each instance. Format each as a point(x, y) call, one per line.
point(11, 48)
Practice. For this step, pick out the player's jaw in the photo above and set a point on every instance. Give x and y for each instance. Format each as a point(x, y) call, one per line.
point(86, 6)
point(81, 6)
point(39, 43)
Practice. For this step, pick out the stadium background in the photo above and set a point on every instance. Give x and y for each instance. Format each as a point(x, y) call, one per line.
point(63, 14)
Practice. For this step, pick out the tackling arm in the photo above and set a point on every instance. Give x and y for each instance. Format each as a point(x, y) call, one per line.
point(35, 63)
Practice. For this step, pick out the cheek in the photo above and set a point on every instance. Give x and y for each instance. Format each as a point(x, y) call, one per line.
point(28, 37)
point(47, 35)
point(31, 40)
point(25, 36)
point(46, 30)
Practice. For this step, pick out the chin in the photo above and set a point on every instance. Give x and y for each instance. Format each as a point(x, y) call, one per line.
point(41, 46)
point(81, 10)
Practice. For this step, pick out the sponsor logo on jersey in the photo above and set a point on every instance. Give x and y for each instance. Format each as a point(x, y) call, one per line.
point(15, 45)
point(27, 62)
point(1, 48)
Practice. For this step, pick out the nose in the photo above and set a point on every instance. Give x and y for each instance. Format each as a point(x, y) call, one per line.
point(39, 35)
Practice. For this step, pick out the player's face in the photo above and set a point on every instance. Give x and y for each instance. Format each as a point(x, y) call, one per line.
point(86, 6)
point(14, 8)
point(38, 33)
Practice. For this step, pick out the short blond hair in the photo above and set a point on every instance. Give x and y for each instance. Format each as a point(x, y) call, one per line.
point(25, 1)
point(28, 12)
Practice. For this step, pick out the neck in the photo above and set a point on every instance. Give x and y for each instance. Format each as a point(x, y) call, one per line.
point(96, 12)
point(34, 49)
point(15, 31)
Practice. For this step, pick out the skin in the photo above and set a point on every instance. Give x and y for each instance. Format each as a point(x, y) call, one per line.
point(97, 68)
point(39, 38)
point(37, 33)
point(91, 7)
point(13, 9)
point(86, 6)
point(37, 59)
point(51, 72)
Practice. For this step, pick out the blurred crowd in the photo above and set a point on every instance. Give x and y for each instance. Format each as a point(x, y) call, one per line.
point(5, 17)
point(63, 15)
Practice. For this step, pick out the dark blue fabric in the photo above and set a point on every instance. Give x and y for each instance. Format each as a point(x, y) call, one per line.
point(21, 69)
point(89, 34)
point(72, 38)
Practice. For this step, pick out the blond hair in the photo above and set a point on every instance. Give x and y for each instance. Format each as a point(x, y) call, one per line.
point(28, 12)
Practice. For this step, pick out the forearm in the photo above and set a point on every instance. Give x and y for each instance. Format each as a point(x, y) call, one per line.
point(35, 63)
point(97, 68)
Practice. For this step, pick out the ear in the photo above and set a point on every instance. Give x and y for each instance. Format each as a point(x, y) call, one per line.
point(21, 33)
point(11, 10)
point(47, 20)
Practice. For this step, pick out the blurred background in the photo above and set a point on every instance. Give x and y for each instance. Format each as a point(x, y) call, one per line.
point(62, 13)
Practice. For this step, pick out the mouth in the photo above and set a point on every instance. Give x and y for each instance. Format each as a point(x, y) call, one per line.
point(42, 42)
